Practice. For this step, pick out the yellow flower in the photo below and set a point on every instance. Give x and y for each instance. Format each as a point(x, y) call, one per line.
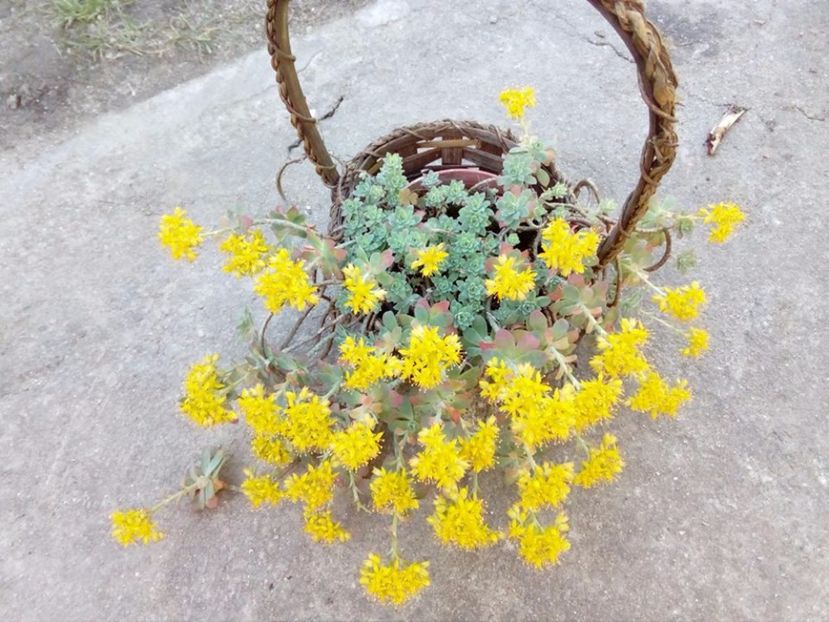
point(656, 397)
point(552, 419)
point(499, 374)
point(247, 253)
point(393, 583)
point(363, 292)
point(564, 251)
point(725, 217)
point(602, 465)
point(697, 342)
point(131, 526)
point(368, 367)
point(392, 491)
point(539, 546)
point(429, 259)
point(308, 421)
point(509, 283)
point(517, 100)
point(459, 520)
point(355, 352)
point(620, 354)
point(546, 485)
point(439, 461)
point(205, 395)
point(285, 282)
point(180, 234)
point(356, 445)
point(314, 487)
point(479, 449)
point(323, 528)
point(260, 410)
point(270, 450)
point(683, 303)
point(428, 356)
point(536, 416)
point(595, 401)
point(261, 490)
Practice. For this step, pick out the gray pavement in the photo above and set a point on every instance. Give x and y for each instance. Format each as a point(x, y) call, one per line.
point(720, 515)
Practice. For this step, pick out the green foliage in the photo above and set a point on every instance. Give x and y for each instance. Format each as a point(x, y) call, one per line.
point(514, 208)
point(83, 11)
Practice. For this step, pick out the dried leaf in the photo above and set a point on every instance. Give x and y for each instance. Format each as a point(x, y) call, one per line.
point(717, 133)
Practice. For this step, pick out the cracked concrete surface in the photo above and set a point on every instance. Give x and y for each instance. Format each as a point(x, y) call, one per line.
point(720, 515)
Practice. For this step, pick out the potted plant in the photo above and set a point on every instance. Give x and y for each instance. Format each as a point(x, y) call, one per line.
point(467, 311)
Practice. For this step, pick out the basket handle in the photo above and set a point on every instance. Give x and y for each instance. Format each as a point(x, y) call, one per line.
point(657, 84)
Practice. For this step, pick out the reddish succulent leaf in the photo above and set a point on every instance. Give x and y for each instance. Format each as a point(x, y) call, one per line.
point(442, 306)
point(527, 341)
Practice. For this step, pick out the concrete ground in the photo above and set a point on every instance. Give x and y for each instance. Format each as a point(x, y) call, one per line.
point(720, 515)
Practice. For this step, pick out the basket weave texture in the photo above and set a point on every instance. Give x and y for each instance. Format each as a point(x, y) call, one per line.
point(467, 143)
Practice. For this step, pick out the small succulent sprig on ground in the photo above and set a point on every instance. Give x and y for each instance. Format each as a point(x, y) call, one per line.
point(202, 483)
point(450, 319)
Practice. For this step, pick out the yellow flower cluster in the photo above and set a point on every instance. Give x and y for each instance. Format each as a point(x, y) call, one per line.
point(180, 235)
point(440, 460)
point(620, 353)
point(459, 520)
point(205, 395)
point(564, 251)
point(393, 583)
point(285, 282)
point(260, 410)
point(479, 449)
point(391, 491)
point(510, 282)
point(356, 445)
point(428, 356)
point(602, 465)
point(515, 101)
point(271, 450)
point(308, 421)
point(363, 292)
point(596, 401)
point(683, 303)
point(545, 485)
point(368, 366)
point(697, 342)
point(323, 528)
point(539, 546)
point(537, 417)
point(247, 253)
point(656, 397)
point(314, 488)
point(131, 526)
point(725, 217)
point(261, 490)
point(429, 259)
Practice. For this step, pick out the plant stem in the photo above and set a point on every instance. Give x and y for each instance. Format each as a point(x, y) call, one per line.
point(592, 321)
point(179, 494)
point(352, 483)
point(562, 364)
point(658, 319)
point(395, 550)
point(529, 454)
point(318, 334)
point(583, 444)
point(644, 278)
point(283, 222)
point(262, 335)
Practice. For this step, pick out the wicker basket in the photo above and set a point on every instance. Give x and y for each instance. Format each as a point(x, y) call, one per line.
point(457, 144)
